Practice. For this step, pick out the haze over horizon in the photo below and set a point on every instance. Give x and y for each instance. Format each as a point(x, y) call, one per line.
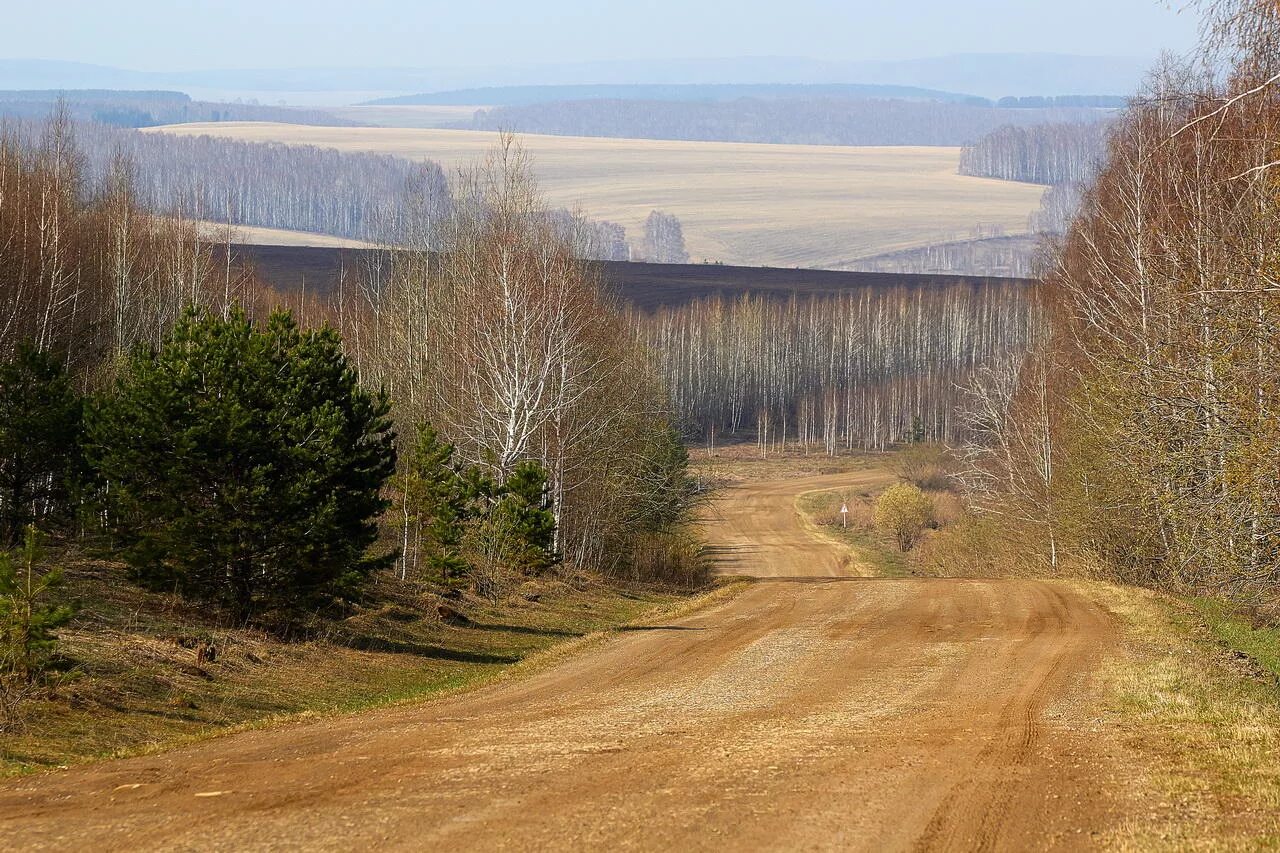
point(239, 34)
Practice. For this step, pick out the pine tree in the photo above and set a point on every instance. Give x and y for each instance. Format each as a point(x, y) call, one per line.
point(243, 465)
point(437, 494)
point(663, 492)
point(524, 510)
point(40, 437)
point(27, 622)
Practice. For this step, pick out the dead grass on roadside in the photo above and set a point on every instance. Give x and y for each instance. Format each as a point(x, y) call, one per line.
point(141, 671)
point(1202, 722)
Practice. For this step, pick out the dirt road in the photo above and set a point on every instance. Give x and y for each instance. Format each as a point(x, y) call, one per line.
point(817, 710)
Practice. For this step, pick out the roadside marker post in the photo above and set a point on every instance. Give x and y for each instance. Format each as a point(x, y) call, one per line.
point(844, 514)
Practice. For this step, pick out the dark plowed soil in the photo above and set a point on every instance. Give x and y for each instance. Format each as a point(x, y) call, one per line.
point(647, 286)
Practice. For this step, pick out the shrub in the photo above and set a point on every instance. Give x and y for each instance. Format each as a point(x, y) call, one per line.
point(928, 466)
point(243, 466)
point(903, 512)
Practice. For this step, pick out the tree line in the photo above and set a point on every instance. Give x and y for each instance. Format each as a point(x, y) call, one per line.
point(510, 346)
point(1139, 437)
point(294, 187)
point(799, 120)
point(123, 108)
point(1054, 153)
point(865, 369)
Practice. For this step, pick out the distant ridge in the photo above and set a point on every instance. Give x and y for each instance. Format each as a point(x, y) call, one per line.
point(519, 96)
point(991, 75)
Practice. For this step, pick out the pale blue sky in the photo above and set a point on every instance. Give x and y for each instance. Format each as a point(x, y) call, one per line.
point(176, 35)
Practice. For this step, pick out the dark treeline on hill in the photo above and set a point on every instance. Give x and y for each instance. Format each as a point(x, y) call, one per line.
point(1039, 102)
point(810, 120)
point(125, 108)
point(522, 96)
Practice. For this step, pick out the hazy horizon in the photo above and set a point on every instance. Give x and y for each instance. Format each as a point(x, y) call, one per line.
point(386, 34)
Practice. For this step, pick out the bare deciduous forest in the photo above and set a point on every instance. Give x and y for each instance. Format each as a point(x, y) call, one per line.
point(1052, 153)
point(813, 121)
point(868, 369)
point(295, 187)
point(87, 271)
point(1140, 434)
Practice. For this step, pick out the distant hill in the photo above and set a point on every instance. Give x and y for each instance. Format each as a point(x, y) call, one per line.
point(520, 96)
point(147, 108)
point(990, 75)
point(786, 120)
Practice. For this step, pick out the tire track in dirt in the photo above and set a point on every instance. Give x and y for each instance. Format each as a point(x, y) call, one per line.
point(817, 710)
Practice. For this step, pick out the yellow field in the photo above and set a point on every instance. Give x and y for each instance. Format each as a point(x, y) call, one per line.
point(217, 232)
point(758, 205)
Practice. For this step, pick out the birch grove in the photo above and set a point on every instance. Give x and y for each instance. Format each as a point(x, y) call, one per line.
point(506, 342)
point(863, 370)
point(86, 273)
point(1152, 399)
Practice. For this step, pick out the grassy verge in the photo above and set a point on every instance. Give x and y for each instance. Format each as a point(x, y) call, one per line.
point(134, 680)
point(1261, 645)
point(1202, 719)
point(821, 511)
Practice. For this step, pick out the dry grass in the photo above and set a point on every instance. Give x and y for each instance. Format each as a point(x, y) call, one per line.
point(216, 232)
point(1201, 720)
point(740, 203)
point(741, 462)
point(132, 682)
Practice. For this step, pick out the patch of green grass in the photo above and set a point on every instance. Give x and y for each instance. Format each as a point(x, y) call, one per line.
point(1234, 630)
point(1199, 726)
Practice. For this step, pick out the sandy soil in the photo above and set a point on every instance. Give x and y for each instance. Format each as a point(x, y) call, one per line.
point(817, 710)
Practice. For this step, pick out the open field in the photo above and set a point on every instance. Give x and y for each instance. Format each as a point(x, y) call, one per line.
point(755, 205)
point(216, 232)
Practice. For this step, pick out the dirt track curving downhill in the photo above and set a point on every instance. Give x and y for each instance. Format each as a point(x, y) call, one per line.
point(817, 710)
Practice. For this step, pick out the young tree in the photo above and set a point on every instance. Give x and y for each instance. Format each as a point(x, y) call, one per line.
point(664, 239)
point(243, 465)
point(525, 503)
point(40, 436)
point(512, 531)
point(27, 620)
point(436, 495)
